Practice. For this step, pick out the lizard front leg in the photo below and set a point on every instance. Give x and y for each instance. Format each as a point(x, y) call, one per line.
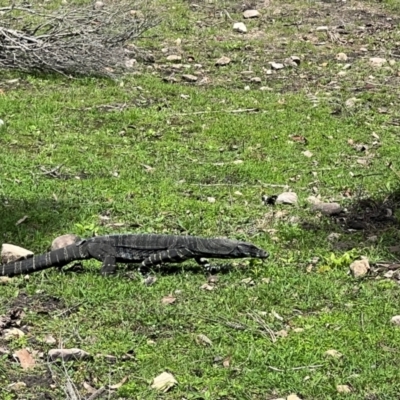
point(105, 253)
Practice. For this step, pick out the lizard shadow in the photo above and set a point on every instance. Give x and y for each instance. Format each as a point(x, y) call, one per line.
point(127, 270)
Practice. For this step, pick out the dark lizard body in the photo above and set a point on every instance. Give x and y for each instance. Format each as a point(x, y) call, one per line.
point(147, 249)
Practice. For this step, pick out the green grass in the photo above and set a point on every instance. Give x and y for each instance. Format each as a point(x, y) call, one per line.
point(153, 164)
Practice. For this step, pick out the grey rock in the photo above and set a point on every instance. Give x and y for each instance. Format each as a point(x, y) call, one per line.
point(64, 240)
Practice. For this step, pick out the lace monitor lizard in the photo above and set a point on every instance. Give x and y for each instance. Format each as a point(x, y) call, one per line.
point(147, 249)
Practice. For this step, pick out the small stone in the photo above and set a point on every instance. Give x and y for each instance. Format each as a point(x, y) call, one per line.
point(189, 78)
point(164, 382)
point(10, 253)
point(17, 386)
point(12, 333)
point(206, 286)
point(293, 397)
point(174, 58)
point(360, 268)
point(296, 59)
point(350, 103)
point(248, 281)
point(377, 62)
point(256, 79)
point(307, 153)
point(1, 123)
point(222, 61)
point(98, 5)
point(251, 14)
point(333, 353)
point(276, 66)
point(150, 280)
point(341, 57)
point(313, 200)
point(239, 27)
point(4, 280)
point(288, 62)
point(247, 88)
point(281, 333)
point(130, 63)
point(287, 198)
point(50, 339)
point(332, 237)
point(327, 208)
point(346, 66)
point(322, 29)
point(204, 340)
point(395, 320)
point(343, 388)
point(64, 240)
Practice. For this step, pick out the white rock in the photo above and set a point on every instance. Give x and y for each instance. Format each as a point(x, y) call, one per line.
point(333, 236)
point(189, 78)
point(239, 27)
point(333, 353)
point(251, 14)
point(164, 382)
point(1, 123)
point(17, 386)
point(98, 5)
point(341, 57)
point(174, 57)
point(287, 198)
point(350, 103)
point(377, 62)
point(395, 320)
point(343, 388)
point(222, 61)
point(10, 253)
point(322, 29)
point(293, 397)
point(296, 59)
point(12, 333)
point(313, 200)
point(360, 268)
point(130, 63)
point(276, 66)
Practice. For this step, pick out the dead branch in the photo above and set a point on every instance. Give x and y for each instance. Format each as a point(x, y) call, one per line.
point(74, 40)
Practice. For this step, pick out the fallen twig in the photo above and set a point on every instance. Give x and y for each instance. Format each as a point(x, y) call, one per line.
point(73, 40)
point(241, 110)
point(97, 393)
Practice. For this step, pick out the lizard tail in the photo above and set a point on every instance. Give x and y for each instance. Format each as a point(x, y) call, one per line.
point(56, 258)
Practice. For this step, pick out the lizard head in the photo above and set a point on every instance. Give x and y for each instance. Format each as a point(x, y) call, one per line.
point(244, 249)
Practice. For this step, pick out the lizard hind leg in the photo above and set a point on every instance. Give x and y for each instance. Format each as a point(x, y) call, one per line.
point(105, 253)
